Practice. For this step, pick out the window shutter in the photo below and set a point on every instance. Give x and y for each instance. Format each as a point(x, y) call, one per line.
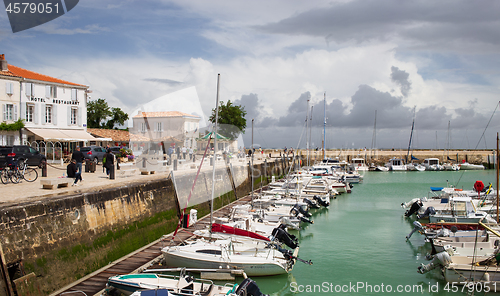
point(73, 94)
point(23, 111)
point(28, 89)
point(54, 114)
point(9, 88)
point(80, 119)
point(4, 112)
point(44, 114)
point(69, 115)
point(47, 91)
point(54, 92)
point(32, 85)
point(35, 114)
point(15, 113)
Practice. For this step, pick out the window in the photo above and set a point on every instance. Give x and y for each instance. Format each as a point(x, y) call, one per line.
point(9, 88)
point(159, 126)
point(9, 112)
point(48, 114)
point(143, 127)
point(51, 91)
point(9, 140)
point(74, 116)
point(30, 89)
point(30, 113)
point(74, 94)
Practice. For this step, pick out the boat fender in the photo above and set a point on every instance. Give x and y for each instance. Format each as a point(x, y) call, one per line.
point(248, 287)
point(478, 186)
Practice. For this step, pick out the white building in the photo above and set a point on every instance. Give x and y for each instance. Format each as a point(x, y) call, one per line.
point(10, 90)
point(164, 128)
point(54, 110)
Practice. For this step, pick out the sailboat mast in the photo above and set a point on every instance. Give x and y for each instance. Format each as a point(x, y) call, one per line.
point(215, 152)
point(374, 137)
point(497, 163)
point(310, 130)
point(307, 130)
point(324, 125)
point(411, 134)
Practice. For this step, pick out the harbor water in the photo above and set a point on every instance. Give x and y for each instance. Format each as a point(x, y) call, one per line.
point(358, 244)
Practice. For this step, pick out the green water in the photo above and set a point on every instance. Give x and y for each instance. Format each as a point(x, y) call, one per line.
point(359, 241)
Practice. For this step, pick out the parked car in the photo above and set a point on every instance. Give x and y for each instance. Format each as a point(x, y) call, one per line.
point(20, 153)
point(94, 153)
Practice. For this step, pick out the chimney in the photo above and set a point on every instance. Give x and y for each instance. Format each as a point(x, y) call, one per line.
point(3, 63)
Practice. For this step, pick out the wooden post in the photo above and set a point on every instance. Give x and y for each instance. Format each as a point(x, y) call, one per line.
point(5, 275)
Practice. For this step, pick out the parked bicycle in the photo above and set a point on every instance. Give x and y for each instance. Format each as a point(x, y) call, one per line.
point(16, 173)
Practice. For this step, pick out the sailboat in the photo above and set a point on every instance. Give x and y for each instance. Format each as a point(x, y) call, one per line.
point(449, 166)
point(413, 166)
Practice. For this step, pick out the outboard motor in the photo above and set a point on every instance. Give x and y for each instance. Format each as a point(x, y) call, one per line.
point(440, 259)
point(305, 220)
point(321, 201)
point(418, 227)
point(248, 288)
point(298, 209)
point(310, 203)
point(414, 208)
point(285, 221)
point(282, 236)
point(429, 211)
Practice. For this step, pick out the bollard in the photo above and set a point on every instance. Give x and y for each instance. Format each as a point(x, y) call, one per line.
point(112, 172)
point(44, 168)
point(87, 165)
point(175, 164)
point(117, 163)
point(212, 161)
point(194, 157)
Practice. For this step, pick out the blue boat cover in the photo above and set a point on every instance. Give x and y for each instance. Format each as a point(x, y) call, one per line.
point(436, 188)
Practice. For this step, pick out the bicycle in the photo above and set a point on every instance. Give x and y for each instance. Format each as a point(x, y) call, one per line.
point(8, 173)
point(23, 172)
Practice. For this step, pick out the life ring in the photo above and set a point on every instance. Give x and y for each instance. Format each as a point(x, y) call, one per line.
point(478, 186)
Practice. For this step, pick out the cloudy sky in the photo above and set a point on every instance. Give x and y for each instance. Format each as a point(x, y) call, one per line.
point(385, 57)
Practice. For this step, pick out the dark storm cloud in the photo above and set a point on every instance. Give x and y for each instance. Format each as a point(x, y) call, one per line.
point(252, 106)
point(297, 111)
point(422, 23)
point(401, 78)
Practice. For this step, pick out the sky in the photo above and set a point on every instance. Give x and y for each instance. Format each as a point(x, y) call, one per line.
point(434, 62)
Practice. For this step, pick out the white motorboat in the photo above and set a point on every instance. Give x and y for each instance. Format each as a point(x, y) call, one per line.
point(396, 164)
point(415, 167)
point(358, 164)
point(470, 166)
point(175, 285)
point(432, 164)
point(251, 258)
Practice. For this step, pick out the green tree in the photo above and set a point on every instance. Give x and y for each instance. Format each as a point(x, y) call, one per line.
point(100, 115)
point(231, 120)
point(117, 116)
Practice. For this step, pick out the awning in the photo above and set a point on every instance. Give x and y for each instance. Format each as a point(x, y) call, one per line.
point(65, 135)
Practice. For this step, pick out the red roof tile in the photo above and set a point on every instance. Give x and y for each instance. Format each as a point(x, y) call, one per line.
point(36, 76)
point(116, 135)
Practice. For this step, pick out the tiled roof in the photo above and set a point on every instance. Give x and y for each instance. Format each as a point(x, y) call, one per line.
point(16, 71)
point(164, 114)
point(8, 73)
point(116, 135)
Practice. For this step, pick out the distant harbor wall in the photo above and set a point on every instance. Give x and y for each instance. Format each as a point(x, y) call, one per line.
point(61, 239)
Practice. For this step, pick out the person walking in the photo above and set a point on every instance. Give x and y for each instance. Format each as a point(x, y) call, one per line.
point(184, 151)
point(109, 161)
point(72, 172)
point(191, 153)
point(78, 157)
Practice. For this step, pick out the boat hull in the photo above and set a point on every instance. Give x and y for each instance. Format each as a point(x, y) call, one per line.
point(256, 268)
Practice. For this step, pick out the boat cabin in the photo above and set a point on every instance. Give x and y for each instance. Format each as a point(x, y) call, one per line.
point(431, 161)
